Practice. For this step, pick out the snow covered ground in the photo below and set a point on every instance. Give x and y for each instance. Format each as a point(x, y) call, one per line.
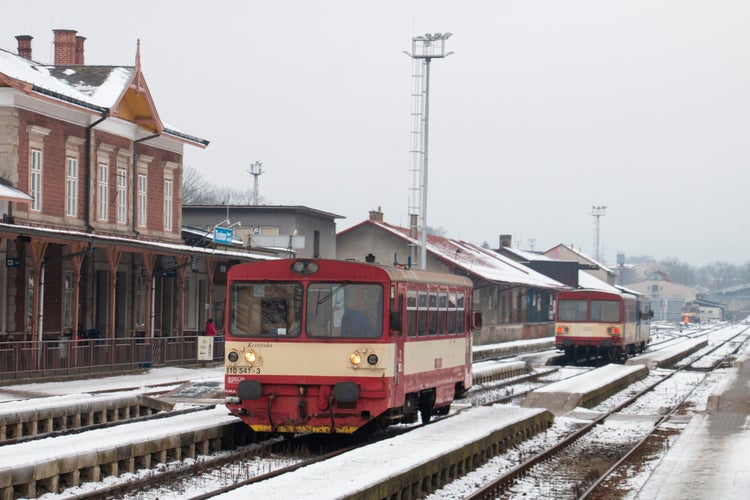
point(697, 443)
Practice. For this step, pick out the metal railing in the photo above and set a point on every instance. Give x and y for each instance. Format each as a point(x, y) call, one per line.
point(51, 359)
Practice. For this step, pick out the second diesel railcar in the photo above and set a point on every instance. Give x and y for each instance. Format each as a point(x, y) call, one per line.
point(326, 346)
point(691, 313)
point(595, 323)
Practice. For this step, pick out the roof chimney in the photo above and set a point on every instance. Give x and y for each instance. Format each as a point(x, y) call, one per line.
point(505, 240)
point(79, 49)
point(376, 215)
point(65, 47)
point(24, 46)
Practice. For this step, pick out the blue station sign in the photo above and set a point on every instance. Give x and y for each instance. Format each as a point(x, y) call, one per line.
point(223, 235)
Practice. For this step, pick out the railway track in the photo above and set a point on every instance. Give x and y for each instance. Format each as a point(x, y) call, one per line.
point(576, 465)
point(208, 475)
point(230, 469)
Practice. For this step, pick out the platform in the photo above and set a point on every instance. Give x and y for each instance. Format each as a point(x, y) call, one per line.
point(709, 458)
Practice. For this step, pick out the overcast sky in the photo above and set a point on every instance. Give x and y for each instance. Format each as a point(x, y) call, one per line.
point(545, 109)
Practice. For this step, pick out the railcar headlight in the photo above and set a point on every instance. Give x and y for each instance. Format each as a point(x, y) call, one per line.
point(251, 356)
point(305, 267)
point(233, 356)
point(372, 359)
point(355, 358)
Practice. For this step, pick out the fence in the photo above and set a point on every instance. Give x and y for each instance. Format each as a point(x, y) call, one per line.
point(50, 359)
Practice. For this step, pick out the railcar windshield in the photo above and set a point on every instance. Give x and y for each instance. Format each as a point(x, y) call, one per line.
point(265, 309)
point(607, 311)
point(604, 311)
point(344, 310)
point(571, 310)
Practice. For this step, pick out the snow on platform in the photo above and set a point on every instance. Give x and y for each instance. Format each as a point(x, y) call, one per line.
point(665, 358)
point(376, 464)
point(50, 449)
point(587, 389)
point(732, 394)
point(709, 458)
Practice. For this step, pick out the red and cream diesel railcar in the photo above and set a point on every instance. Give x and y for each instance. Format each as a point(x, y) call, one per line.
point(326, 346)
point(597, 323)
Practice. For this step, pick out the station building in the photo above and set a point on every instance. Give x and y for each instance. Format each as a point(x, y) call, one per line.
point(91, 230)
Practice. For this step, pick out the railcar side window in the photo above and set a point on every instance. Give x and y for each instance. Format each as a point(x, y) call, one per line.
point(344, 310)
point(461, 316)
point(422, 314)
point(265, 309)
point(571, 310)
point(452, 313)
point(605, 310)
point(411, 313)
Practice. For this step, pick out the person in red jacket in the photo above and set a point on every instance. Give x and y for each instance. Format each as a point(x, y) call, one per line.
point(210, 328)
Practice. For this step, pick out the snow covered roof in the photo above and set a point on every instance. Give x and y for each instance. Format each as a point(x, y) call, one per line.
point(526, 255)
point(179, 248)
point(471, 258)
point(582, 256)
point(101, 89)
point(588, 281)
point(9, 193)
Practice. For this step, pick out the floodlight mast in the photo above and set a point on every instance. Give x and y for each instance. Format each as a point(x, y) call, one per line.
point(256, 170)
point(597, 212)
point(424, 48)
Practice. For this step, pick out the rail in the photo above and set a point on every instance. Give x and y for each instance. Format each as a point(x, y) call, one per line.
point(57, 359)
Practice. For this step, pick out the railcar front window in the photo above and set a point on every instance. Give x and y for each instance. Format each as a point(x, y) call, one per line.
point(571, 310)
point(607, 311)
point(344, 310)
point(265, 309)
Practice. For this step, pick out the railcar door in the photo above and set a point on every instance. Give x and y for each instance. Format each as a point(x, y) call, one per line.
point(398, 330)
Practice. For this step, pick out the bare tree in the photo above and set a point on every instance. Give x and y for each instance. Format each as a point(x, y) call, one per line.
point(196, 190)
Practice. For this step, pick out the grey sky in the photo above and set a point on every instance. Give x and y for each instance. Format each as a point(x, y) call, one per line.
point(546, 109)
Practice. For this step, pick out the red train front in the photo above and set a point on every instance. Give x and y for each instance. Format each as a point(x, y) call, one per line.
point(331, 346)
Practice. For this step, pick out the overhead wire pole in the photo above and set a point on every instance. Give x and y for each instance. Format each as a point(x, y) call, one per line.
point(424, 48)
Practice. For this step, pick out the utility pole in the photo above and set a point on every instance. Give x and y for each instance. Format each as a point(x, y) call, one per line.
point(597, 212)
point(256, 170)
point(424, 49)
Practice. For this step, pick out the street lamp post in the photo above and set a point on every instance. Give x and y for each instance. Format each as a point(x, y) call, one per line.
point(426, 48)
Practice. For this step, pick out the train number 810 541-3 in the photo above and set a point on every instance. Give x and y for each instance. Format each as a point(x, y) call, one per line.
point(242, 370)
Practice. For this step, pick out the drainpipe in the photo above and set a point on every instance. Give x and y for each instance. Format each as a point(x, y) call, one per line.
point(135, 183)
point(89, 129)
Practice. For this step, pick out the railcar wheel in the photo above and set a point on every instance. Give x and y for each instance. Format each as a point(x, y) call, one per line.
point(443, 410)
point(426, 414)
point(426, 402)
point(611, 355)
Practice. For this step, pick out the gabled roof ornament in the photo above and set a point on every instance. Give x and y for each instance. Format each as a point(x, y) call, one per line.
point(138, 75)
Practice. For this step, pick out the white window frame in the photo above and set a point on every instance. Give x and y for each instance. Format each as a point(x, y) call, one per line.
point(122, 196)
point(71, 187)
point(35, 179)
point(103, 191)
point(168, 215)
point(142, 199)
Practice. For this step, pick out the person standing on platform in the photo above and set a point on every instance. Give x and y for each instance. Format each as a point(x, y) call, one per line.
point(210, 328)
